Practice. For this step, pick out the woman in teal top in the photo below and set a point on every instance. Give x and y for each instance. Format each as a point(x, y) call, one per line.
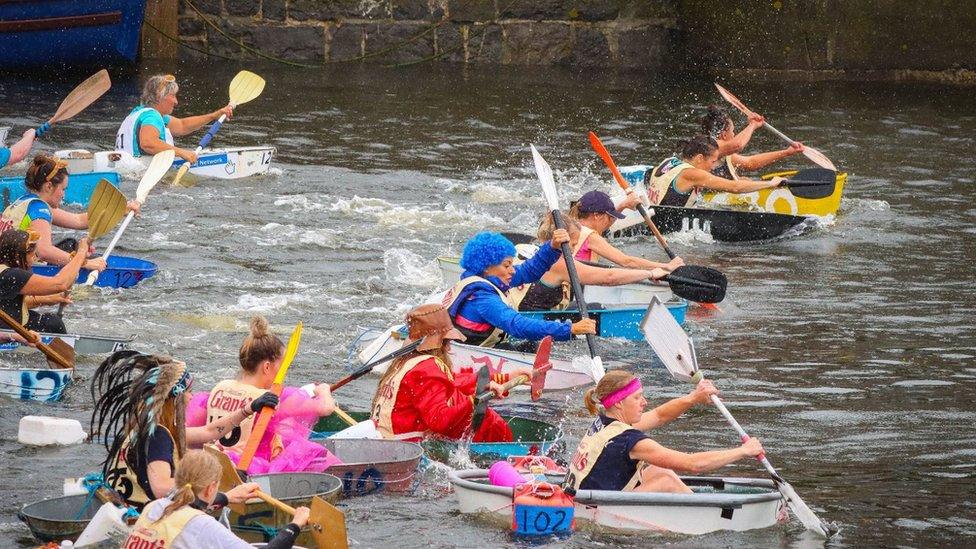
point(18, 151)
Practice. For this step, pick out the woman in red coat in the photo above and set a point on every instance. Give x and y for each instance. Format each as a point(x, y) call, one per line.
point(420, 397)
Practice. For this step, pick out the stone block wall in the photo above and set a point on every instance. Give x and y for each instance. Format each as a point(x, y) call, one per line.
point(621, 33)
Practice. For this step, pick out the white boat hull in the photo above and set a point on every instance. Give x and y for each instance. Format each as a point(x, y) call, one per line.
point(42, 384)
point(82, 344)
point(223, 163)
point(740, 504)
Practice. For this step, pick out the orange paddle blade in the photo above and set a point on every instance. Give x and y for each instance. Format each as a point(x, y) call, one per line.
point(608, 160)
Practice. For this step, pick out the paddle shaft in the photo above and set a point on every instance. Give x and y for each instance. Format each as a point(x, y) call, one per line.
point(25, 333)
point(575, 283)
point(204, 141)
point(93, 276)
point(522, 379)
point(344, 416)
point(369, 367)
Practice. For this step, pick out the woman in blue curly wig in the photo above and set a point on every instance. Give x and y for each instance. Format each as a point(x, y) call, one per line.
point(480, 304)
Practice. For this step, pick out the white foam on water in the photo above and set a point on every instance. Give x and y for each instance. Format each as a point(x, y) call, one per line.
point(489, 193)
point(359, 205)
point(405, 267)
point(159, 240)
point(251, 303)
point(852, 205)
point(450, 216)
point(690, 236)
point(276, 234)
point(299, 203)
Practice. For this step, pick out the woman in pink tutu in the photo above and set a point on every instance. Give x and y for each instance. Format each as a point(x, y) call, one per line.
point(285, 446)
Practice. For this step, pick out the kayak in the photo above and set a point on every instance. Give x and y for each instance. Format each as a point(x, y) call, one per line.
point(40, 384)
point(222, 163)
point(122, 272)
point(722, 225)
point(621, 321)
point(80, 187)
point(83, 344)
point(717, 503)
point(625, 294)
point(531, 438)
point(565, 374)
point(370, 466)
point(261, 520)
point(767, 200)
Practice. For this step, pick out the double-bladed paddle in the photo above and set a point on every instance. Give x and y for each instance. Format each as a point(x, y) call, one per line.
point(58, 353)
point(677, 351)
point(158, 166)
point(814, 155)
point(537, 381)
point(243, 88)
point(697, 283)
point(83, 95)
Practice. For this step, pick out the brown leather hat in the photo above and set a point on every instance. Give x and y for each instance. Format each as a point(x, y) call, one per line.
point(432, 323)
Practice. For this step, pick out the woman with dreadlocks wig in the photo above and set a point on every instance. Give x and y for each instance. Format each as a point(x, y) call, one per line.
point(285, 446)
point(140, 404)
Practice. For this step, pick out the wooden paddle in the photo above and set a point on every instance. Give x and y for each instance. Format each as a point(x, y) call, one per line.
point(261, 423)
point(243, 88)
point(677, 351)
point(157, 168)
point(697, 283)
point(83, 95)
point(544, 172)
point(814, 155)
point(59, 353)
point(537, 381)
point(326, 523)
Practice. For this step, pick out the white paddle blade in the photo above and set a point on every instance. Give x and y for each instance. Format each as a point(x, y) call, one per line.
point(670, 343)
point(363, 429)
point(818, 158)
point(245, 87)
point(158, 167)
point(804, 514)
point(544, 172)
point(597, 369)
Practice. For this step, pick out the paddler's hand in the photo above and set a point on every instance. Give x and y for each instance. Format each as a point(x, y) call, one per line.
point(96, 264)
point(630, 202)
point(301, 516)
point(584, 326)
point(674, 264)
point(658, 273)
point(189, 156)
point(228, 110)
point(756, 119)
point(703, 392)
point(559, 237)
point(267, 399)
point(751, 448)
point(243, 492)
point(777, 182)
point(794, 148)
point(59, 298)
point(134, 207)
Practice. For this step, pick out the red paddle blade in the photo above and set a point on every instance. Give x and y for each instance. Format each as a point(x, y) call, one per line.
point(608, 160)
point(540, 367)
point(727, 95)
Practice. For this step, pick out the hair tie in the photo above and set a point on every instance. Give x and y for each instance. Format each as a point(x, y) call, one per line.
point(188, 486)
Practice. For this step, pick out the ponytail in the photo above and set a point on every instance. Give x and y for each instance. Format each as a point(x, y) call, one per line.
point(260, 345)
point(699, 144)
point(197, 470)
point(613, 381)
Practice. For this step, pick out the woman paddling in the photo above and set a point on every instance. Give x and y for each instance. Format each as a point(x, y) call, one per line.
point(479, 304)
point(615, 454)
point(419, 396)
point(40, 209)
point(140, 405)
point(19, 150)
point(150, 126)
point(285, 446)
point(552, 290)
point(596, 213)
point(718, 124)
point(180, 520)
point(678, 180)
point(21, 290)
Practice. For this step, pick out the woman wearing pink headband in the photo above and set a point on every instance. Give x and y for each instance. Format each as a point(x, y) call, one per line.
point(615, 454)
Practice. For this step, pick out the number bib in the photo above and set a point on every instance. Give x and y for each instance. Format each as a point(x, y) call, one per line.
point(124, 480)
point(161, 534)
point(589, 450)
point(226, 398)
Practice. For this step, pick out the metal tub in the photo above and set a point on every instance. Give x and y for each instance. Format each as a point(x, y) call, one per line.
point(60, 518)
point(261, 521)
point(370, 466)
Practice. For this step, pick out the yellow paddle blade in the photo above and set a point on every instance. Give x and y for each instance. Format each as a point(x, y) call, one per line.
point(245, 87)
point(327, 525)
point(158, 166)
point(105, 209)
point(293, 341)
point(83, 95)
point(181, 172)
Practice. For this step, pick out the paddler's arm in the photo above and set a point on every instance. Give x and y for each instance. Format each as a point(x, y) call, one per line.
point(198, 436)
point(673, 408)
point(739, 142)
point(185, 126)
point(19, 150)
point(536, 266)
point(599, 276)
point(150, 143)
point(754, 162)
point(161, 480)
point(696, 463)
point(40, 285)
point(691, 178)
point(601, 247)
point(69, 220)
point(492, 310)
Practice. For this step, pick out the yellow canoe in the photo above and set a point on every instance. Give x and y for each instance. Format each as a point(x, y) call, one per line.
point(781, 200)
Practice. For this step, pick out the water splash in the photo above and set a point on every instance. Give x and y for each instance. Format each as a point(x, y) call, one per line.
point(405, 267)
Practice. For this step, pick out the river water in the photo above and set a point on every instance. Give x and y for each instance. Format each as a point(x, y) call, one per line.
point(848, 350)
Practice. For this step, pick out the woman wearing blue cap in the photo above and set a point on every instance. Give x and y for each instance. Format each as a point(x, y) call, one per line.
point(480, 306)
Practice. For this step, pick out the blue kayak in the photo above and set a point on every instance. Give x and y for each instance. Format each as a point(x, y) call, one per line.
point(615, 321)
point(122, 272)
point(79, 191)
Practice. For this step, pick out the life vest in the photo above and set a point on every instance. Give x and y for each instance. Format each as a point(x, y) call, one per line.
point(15, 216)
point(660, 184)
point(590, 448)
point(726, 169)
point(123, 479)
point(127, 138)
point(482, 334)
point(24, 316)
point(226, 398)
point(387, 396)
point(160, 534)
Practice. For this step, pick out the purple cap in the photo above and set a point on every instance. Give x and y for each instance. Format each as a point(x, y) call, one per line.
point(598, 202)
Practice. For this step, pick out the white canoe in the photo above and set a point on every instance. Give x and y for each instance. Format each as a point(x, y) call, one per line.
point(83, 344)
point(565, 374)
point(736, 504)
point(625, 294)
point(43, 384)
point(223, 163)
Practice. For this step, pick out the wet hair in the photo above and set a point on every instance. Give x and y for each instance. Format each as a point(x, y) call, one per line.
point(156, 88)
point(613, 381)
point(260, 345)
point(715, 121)
point(44, 169)
point(700, 144)
point(547, 227)
point(196, 471)
point(13, 249)
point(484, 250)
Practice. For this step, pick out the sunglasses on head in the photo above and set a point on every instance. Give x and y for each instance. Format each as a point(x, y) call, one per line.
point(167, 79)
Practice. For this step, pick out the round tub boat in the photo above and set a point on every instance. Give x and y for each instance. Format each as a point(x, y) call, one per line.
point(370, 466)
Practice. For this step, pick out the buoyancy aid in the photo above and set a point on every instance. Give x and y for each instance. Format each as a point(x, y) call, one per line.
point(226, 398)
point(127, 138)
point(660, 183)
point(160, 534)
point(590, 448)
point(124, 480)
point(15, 216)
point(386, 399)
point(477, 333)
point(726, 169)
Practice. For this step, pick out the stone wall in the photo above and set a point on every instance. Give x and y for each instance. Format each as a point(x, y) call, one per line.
point(623, 33)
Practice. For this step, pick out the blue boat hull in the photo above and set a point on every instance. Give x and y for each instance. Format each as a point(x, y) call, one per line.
point(79, 191)
point(122, 272)
point(42, 33)
point(621, 322)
